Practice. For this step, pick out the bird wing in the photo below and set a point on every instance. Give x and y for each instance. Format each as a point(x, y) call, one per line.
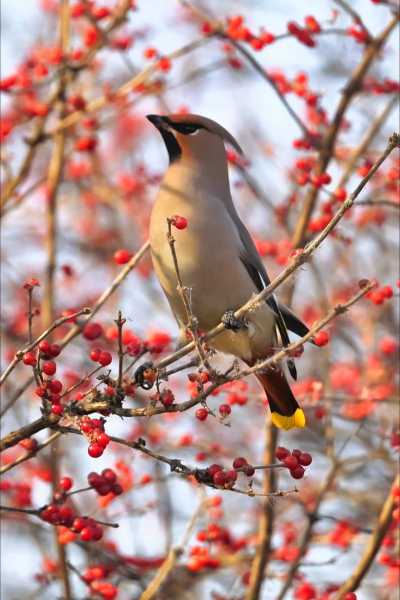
point(285, 319)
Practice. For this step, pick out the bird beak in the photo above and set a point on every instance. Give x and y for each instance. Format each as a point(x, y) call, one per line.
point(158, 122)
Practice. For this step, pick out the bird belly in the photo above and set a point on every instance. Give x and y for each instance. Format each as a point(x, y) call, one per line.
point(214, 277)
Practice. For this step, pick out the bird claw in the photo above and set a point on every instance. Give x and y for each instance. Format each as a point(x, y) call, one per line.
point(145, 375)
point(231, 322)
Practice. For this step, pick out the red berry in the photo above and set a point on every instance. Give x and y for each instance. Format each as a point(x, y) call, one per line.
point(103, 439)
point(231, 476)
point(57, 409)
point(321, 338)
point(388, 345)
point(305, 459)
point(387, 291)
point(87, 534)
point(95, 450)
point(179, 222)
point(291, 461)
point(94, 479)
point(92, 331)
point(164, 64)
point(78, 524)
point(121, 257)
point(103, 489)
point(167, 398)
point(45, 347)
point(281, 453)
point(97, 533)
point(117, 489)
point(55, 350)
point(219, 478)
point(49, 367)
point(54, 386)
point(239, 462)
point(249, 470)
point(214, 468)
point(297, 472)
point(225, 410)
point(340, 194)
point(65, 484)
point(104, 359)
point(29, 358)
point(201, 414)
point(95, 354)
point(109, 475)
point(350, 596)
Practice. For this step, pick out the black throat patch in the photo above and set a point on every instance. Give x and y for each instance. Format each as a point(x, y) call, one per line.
point(173, 148)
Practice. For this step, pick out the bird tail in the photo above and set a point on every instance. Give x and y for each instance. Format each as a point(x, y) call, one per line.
point(285, 411)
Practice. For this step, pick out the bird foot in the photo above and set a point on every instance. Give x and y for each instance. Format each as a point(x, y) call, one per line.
point(145, 375)
point(231, 322)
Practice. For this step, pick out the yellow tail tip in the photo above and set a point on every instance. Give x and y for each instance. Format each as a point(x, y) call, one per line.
point(297, 419)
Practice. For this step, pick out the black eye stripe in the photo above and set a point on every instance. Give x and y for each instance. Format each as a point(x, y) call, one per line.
point(185, 128)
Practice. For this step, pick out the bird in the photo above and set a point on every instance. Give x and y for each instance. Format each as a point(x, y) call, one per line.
point(218, 261)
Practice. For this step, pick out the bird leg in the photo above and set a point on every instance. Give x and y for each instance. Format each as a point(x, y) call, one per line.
point(231, 322)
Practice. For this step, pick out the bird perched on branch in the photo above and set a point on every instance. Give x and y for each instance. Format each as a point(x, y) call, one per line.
point(217, 259)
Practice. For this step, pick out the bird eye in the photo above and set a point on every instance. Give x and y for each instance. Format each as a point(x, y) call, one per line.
point(191, 129)
point(186, 128)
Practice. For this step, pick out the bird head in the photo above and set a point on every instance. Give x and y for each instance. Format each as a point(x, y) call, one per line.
point(192, 136)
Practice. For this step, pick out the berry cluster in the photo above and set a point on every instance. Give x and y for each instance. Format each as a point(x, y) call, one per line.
point(100, 356)
point(295, 461)
point(105, 482)
point(87, 527)
point(94, 576)
point(94, 431)
point(379, 294)
point(226, 478)
point(304, 34)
